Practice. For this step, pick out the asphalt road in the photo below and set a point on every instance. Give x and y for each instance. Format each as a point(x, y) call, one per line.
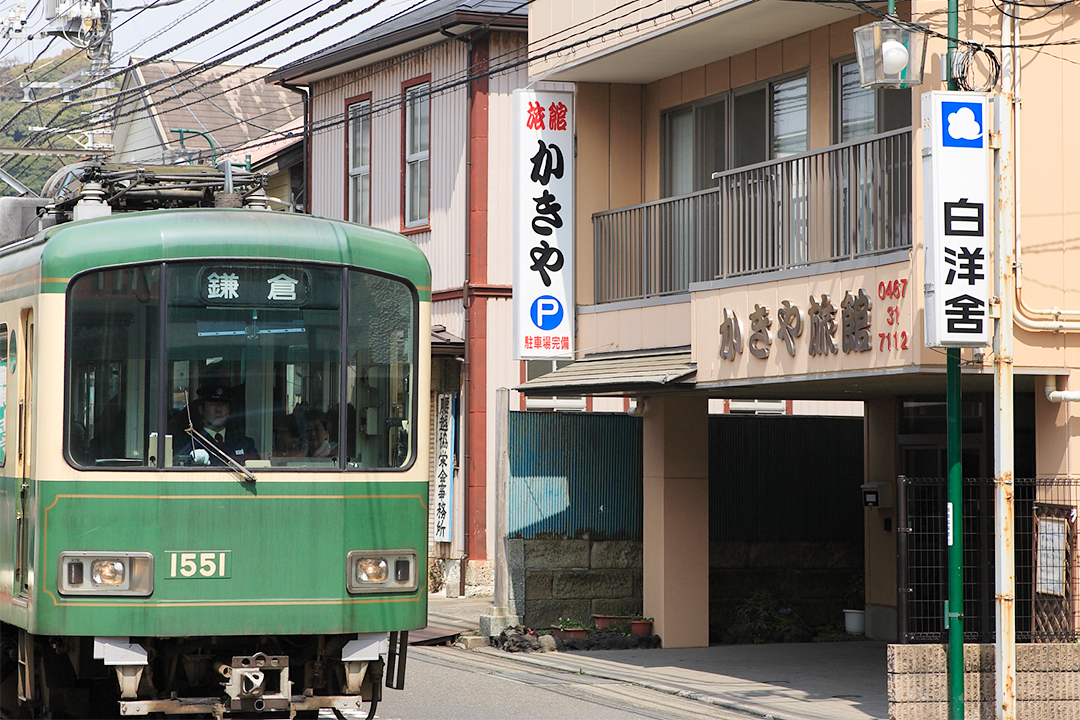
point(453, 684)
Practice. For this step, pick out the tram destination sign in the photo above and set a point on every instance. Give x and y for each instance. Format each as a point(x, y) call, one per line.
point(254, 286)
point(957, 210)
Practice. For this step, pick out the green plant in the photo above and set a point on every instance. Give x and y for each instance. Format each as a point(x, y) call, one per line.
point(855, 597)
point(763, 617)
point(435, 574)
point(567, 623)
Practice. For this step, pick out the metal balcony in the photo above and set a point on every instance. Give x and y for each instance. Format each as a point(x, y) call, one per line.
point(844, 202)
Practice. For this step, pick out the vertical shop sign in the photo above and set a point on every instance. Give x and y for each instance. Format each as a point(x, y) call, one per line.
point(957, 211)
point(543, 167)
point(443, 512)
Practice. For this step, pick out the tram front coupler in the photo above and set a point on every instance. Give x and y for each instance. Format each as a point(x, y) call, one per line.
point(257, 682)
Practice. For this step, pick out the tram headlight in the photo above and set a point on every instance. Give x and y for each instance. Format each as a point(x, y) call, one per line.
point(106, 573)
point(381, 571)
point(371, 570)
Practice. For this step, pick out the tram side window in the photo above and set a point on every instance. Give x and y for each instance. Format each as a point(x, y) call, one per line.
point(3, 392)
point(113, 361)
point(381, 372)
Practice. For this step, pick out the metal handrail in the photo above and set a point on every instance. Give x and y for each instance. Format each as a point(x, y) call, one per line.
point(846, 201)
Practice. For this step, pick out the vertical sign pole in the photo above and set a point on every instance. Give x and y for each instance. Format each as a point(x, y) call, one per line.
point(955, 607)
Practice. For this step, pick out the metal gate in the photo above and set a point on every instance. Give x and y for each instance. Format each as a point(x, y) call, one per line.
point(1045, 543)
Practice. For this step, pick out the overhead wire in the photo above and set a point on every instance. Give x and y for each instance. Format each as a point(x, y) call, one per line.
point(145, 61)
point(392, 103)
point(206, 65)
point(463, 77)
point(218, 26)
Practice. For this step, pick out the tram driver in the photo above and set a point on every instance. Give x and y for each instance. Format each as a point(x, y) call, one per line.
point(216, 404)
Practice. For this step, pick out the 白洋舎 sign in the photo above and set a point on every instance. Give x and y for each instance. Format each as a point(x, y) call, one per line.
point(957, 214)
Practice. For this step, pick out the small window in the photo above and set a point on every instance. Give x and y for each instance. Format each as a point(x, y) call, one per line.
point(789, 117)
point(695, 146)
point(3, 392)
point(417, 98)
point(536, 368)
point(861, 112)
point(758, 407)
point(359, 152)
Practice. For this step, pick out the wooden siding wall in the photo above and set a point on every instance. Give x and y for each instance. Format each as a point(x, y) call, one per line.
point(444, 243)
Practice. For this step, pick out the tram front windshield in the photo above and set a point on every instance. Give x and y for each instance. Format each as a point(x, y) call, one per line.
point(203, 364)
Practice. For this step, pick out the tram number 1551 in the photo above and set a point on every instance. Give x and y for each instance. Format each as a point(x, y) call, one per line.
point(199, 564)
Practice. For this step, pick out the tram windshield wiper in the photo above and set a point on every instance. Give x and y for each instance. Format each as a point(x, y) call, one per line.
point(213, 449)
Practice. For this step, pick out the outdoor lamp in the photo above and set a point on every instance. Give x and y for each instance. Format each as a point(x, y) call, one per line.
point(890, 55)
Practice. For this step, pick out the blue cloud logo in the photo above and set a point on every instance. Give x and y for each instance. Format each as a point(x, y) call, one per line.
point(962, 124)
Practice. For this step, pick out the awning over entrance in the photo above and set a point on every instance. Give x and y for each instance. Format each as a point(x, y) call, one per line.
point(622, 375)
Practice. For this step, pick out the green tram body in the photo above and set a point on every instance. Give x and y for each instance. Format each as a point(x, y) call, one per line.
point(239, 567)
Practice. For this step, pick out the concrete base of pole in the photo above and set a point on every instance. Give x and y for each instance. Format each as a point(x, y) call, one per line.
point(496, 619)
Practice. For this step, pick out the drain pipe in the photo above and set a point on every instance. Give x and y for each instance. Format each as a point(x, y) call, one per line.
point(1057, 396)
point(1005, 245)
point(309, 120)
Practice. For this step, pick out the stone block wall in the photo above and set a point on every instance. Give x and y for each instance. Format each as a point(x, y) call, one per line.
point(554, 578)
point(1047, 681)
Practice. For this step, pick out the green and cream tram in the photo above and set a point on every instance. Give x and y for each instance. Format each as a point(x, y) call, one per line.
point(213, 457)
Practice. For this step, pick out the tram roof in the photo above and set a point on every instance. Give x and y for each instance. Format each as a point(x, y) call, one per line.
point(192, 234)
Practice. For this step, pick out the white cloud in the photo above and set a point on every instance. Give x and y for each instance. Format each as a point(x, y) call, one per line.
point(963, 125)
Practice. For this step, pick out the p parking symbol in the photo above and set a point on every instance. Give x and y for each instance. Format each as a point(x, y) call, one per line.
point(546, 312)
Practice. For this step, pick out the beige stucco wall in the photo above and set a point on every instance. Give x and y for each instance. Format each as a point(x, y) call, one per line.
point(614, 171)
point(637, 328)
point(879, 524)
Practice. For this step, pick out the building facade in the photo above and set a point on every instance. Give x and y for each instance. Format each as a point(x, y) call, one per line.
point(409, 130)
point(750, 225)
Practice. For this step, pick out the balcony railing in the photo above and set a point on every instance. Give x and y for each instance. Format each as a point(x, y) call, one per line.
point(844, 202)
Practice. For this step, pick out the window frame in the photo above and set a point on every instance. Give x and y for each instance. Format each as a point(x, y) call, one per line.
point(353, 174)
point(423, 223)
point(728, 97)
point(163, 392)
point(562, 402)
point(836, 105)
point(4, 392)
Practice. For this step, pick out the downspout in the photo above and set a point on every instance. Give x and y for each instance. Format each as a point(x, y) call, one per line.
point(308, 122)
point(466, 304)
point(1056, 396)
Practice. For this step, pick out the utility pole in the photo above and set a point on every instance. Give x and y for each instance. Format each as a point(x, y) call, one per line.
point(87, 24)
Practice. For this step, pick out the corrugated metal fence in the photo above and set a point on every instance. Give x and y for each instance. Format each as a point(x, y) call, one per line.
point(771, 477)
point(572, 474)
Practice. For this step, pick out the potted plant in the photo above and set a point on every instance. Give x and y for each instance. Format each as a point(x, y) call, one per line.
point(641, 626)
point(607, 622)
point(855, 606)
point(566, 628)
